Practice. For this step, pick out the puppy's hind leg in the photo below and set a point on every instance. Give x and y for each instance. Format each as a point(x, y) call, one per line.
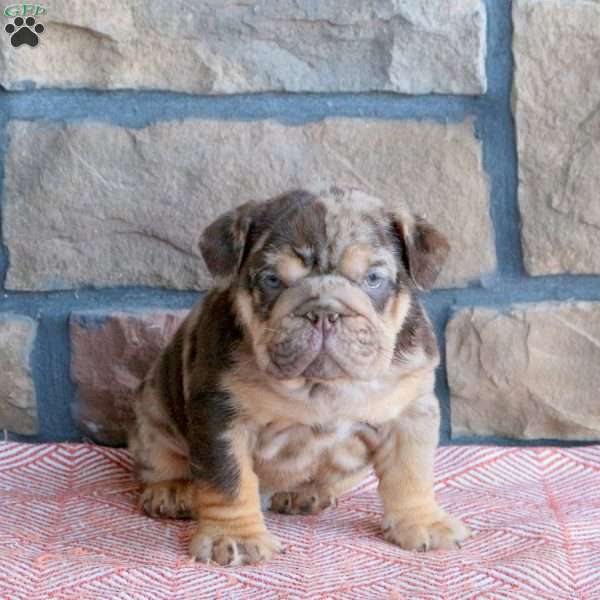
point(171, 499)
point(342, 467)
point(161, 462)
point(306, 501)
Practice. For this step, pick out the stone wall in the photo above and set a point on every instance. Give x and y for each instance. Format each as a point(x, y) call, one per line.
point(131, 125)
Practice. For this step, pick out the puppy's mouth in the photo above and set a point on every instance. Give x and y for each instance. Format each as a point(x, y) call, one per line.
point(325, 367)
point(312, 363)
point(323, 345)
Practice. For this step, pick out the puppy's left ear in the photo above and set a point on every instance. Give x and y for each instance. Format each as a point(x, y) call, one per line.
point(424, 249)
point(224, 243)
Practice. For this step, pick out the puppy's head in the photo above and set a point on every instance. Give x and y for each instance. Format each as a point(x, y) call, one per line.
point(322, 284)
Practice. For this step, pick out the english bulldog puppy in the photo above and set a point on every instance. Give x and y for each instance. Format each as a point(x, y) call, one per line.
point(310, 360)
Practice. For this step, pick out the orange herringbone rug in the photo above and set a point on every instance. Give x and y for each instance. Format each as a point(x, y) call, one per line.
point(69, 528)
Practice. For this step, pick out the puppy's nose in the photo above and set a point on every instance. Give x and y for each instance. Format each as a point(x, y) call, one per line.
point(323, 318)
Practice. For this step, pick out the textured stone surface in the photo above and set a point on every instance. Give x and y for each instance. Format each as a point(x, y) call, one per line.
point(18, 407)
point(412, 47)
point(110, 355)
point(532, 372)
point(103, 205)
point(557, 108)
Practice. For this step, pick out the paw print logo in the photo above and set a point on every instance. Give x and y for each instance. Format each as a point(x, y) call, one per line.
point(24, 32)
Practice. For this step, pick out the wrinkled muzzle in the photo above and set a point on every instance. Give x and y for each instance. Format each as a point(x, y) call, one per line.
point(326, 329)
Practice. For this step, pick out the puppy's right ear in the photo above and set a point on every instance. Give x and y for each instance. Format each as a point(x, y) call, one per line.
point(224, 243)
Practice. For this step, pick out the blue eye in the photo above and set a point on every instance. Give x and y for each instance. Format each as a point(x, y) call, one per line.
point(271, 281)
point(374, 279)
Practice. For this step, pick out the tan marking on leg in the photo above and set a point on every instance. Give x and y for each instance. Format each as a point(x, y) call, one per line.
point(231, 529)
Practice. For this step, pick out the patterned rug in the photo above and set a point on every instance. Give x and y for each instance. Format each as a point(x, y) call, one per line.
point(69, 528)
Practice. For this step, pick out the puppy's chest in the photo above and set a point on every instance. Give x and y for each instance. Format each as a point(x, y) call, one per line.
point(287, 455)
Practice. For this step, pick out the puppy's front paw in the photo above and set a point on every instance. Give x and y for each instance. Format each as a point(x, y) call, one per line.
point(232, 550)
point(438, 532)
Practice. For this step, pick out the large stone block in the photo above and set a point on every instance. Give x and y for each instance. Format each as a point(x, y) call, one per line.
point(530, 372)
point(110, 355)
point(414, 47)
point(98, 205)
point(556, 92)
point(18, 406)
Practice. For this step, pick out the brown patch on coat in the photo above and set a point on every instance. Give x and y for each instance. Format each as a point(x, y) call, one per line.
point(181, 410)
point(226, 243)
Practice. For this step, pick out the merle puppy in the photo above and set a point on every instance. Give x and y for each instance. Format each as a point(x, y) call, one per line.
point(309, 361)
